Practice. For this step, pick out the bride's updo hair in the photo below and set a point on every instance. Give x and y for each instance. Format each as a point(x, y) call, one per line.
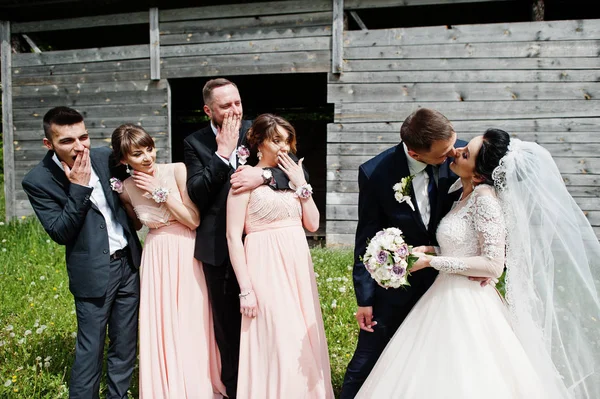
point(494, 147)
point(265, 128)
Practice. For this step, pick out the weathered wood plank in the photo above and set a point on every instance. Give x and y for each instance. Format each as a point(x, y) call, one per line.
point(341, 226)
point(269, 21)
point(393, 138)
point(82, 22)
point(82, 78)
point(337, 32)
point(480, 33)
point(361, 4)
point(96, 133)
point(491, 76)
point(565, 165)
point(246, 34)
point(245, 10)
point(247, 64)
point(567, 48)
point(73, 100)
point(80, 68)
point(551, 125)
point(457, 64)
point(154, 45)
point(94, 121)
point(83, 55)
point(376, 112)
point(7, 119)
point(98, 110)
point(87, 88)
point(567, 150)
point(333, 240)
point(386, 92)
point(252, 47)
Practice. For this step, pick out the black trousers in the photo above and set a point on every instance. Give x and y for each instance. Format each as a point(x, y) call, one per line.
point(223, 292)
point(118, 310)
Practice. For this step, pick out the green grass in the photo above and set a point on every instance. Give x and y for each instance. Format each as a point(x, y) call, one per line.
point(37, 316)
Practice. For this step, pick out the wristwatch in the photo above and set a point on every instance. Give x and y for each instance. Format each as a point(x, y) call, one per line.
point(267, 176)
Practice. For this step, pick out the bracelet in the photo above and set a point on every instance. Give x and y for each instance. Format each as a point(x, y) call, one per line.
point(304, 191)
point(245, 295)
point(160, 194)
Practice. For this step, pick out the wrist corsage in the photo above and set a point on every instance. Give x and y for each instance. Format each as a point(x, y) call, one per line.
point(242, 153)
point(160, 194)
point(304, 191)
point(116, 185)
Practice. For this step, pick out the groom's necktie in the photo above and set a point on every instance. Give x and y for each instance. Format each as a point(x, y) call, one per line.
point(432, 193)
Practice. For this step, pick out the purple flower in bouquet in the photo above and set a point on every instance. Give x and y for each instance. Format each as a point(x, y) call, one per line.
point(398, 270)
point(382, 257)
point(402, 250)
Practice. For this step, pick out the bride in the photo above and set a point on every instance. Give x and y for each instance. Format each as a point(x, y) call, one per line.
point(461, 340)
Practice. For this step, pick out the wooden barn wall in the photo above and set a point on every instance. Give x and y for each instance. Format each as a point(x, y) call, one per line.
point(539, 81)
point(246, 39)
point(109, 86)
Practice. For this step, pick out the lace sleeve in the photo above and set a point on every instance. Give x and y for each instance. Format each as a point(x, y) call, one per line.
point(488, 222)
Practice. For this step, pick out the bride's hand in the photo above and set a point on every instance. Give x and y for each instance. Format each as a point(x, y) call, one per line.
point(249, 305)
point(424, 249)
point(423, 262)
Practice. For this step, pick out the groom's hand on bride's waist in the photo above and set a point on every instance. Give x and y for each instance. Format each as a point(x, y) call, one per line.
point(364, 316)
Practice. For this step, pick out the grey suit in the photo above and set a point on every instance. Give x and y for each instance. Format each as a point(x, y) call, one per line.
point(106, 291)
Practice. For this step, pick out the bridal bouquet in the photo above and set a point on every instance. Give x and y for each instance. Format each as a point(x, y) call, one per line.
point(388, 258)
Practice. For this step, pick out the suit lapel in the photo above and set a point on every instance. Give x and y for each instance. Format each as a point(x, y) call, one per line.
point(58, 175)
point(402, 170)
point(100, 166)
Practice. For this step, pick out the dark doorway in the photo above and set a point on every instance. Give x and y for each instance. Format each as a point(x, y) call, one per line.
point(300, 98)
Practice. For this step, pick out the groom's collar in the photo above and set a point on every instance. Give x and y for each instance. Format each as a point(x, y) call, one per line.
point(414, 166)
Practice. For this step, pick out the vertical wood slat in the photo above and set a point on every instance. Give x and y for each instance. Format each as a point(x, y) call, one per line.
point(7, 120)
point(337, 36)
point(154, 45)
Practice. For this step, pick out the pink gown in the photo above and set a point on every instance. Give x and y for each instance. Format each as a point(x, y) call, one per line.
point(178, 352)
point(283, 351)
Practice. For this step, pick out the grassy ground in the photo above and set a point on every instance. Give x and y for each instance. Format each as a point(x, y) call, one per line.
point(37, 316)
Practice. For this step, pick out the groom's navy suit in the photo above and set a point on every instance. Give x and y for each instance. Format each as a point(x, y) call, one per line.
point(105, 286)
point(378, 209)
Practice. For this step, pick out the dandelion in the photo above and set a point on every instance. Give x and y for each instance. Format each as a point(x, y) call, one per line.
point(56, 296)
point(14, 378)
point(12, 334)
point(23, 217)
point(329, 279)
point(2, 343)
point(1, 223)
point(48, 358)
point(4, 240)
point(3, 249)
point(54, 289)
point(9, 327)
point(7, 383)
point(333, 304)
point(27, 332)
point(21, 341)
point(342, 289)
point(16, 389)
point(42, 278)
point(39, 358)
point(73, 335)
point(37, 323)
point(32, 283)
point(39, 330)
point(31, 305)
point(316, 275)
point(349, 267)
point(47, 241)
point(46, 364)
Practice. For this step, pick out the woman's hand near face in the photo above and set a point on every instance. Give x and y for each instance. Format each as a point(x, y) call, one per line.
point(292, 169)
point(145, 182)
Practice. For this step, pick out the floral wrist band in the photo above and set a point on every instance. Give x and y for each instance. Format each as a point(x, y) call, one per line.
point(304, 191)
point(160, 194)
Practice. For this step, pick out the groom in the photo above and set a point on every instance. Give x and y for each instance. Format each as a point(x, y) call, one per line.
point(428, 141)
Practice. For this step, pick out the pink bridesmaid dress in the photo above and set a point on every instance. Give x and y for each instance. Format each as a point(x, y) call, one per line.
point(178, 352)
point(283, 351)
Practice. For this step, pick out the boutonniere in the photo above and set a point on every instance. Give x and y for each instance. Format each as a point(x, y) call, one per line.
point(242, 153)
point(116, 185)
point(402, 191)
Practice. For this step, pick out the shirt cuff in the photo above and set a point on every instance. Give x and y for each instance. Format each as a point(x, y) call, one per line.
point(223, 159)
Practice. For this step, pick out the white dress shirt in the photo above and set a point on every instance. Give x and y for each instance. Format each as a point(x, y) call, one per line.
point(116, 236)
point(420, 183)
point(232, 158)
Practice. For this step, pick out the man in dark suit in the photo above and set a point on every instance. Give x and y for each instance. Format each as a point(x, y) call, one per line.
point(428, 140)
point(70, 193)
point(211, 160)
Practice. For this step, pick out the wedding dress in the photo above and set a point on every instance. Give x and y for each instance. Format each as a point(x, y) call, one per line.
point(458, 341)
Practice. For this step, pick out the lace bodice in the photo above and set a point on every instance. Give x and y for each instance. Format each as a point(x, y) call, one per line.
point(267, 207)
point(149, 212)
point(472, 236)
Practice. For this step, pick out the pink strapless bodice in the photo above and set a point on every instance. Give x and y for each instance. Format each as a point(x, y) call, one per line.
point(268, 209)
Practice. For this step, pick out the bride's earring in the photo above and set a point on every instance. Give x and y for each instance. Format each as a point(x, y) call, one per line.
point(129, 171)
point(259, 155)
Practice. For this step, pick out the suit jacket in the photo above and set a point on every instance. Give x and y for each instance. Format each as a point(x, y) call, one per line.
point(71, 219)
point(208, 187)
point(378, 209)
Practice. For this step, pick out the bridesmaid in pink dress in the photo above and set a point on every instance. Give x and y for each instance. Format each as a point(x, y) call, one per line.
point(178, 352)
point(283, 349)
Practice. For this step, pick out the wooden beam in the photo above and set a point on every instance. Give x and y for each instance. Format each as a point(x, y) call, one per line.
point(31, 43)
point(82, 22)
point(7, 119)
point(359, 4)
point(359, 21)
point(337, 30)
point(154, 45)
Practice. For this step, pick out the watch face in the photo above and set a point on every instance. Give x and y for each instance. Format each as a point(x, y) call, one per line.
point(267, 174)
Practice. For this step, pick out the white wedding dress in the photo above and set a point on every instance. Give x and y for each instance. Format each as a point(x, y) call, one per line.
point(458, 342)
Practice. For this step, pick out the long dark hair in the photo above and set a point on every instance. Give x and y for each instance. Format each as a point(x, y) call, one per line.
point(494, 147)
